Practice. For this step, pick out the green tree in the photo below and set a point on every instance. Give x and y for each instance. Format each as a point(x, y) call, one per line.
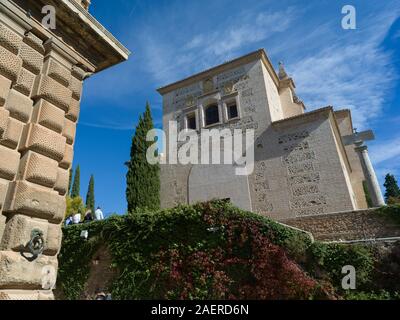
point(69, 181)
point(90, 195)
point(76, 185)
point(392, 188)
point(142, 179)
point(74, 205)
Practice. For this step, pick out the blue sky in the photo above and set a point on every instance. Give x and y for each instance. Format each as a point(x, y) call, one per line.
point(357, 69)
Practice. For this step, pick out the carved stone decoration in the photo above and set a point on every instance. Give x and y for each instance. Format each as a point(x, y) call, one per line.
point(208, 85)
point(261, 188)
point(303, 179)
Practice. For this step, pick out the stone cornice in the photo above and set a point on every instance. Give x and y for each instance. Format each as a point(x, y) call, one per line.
point(259, 54)
point(97, 49)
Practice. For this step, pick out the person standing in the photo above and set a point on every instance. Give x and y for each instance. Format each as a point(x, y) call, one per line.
point(88, 217)
point(99, 214)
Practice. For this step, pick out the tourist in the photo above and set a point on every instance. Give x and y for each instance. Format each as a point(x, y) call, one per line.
point(69, 220)
point(76, 218)
point(88, 216)
point(99, 214)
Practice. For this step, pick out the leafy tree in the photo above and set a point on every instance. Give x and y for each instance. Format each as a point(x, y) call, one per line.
point(142, 179)
point(392, 188)
point(90, 195)
point(75, 205)
point(76, 185)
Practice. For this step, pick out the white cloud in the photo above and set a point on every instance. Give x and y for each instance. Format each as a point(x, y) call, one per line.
point(385, 151)
point(168, 62)
point(354, 73)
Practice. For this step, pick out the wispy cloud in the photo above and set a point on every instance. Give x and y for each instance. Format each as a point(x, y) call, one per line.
point(355, 73)
point(385, 151)
point(168, 62)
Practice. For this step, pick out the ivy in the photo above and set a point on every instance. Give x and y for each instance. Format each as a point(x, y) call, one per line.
point(209, 251)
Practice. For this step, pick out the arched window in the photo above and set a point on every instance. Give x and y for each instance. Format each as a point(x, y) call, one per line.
point(211, 114)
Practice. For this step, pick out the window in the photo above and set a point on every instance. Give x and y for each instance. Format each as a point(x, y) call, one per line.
point(191, 121)
point(211, 115)
point(232, 110)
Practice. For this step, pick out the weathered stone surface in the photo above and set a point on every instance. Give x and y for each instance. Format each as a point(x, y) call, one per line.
point(76, 88)
point(5, 85)
point(44, 141)
point(38, 169)
point(16, 272)
point(25, 295)
point(78, 73)
point(34, 42)
point(354, 225)
point(57, 71)
point(3, 193)
point(9, 160)
point(12, 133)
point(69, 131)
point(9, 39)
point(62, 181)
point(2, 218)
point(48, 115)
point(19, 105)
point(25, 82)
point(4, 114)
point(68, 156)
point(51, 90)
point(73, 111)
point(32, 59)
point(10, 64)
point(27, 198)
point(18, 230)
point(54, 237)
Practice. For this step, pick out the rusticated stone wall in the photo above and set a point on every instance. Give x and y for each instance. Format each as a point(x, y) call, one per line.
point(347, 226)
point(40, 94)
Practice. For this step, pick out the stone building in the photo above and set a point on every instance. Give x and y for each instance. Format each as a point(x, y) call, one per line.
point(302, 164)
point(41, 75)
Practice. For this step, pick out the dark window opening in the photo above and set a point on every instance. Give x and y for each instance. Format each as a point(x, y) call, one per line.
point(191, 121)
point(232, 111)
point(212, 115)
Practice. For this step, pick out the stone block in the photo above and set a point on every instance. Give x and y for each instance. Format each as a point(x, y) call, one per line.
point(16, 272)
point(35, 42)
point(44, 141)
point(62, 181)
point(69, 131)
point(48, 115)
point(57, 71)
point(4, 114)
point(26, 295)
point(68, 157)
point(5, 86)
point(18, 230)
point(20, 106)
point(10, 64)
point(32, 60)
point(53, 242)
point(73, 110)
point(26, 198)
point(3, 193)
point(2, 221)
point(12, 134)
point(9, 39)
point(54, 92)
point(78, 73)
point(76, 87)
point(25, 82)
point(9, 160)
point(38, 169)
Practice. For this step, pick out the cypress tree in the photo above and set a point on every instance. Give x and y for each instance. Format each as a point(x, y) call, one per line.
point(69, 182)
point(76, 185)
point(392, 188)
point(142, 179)
point(90, 195)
